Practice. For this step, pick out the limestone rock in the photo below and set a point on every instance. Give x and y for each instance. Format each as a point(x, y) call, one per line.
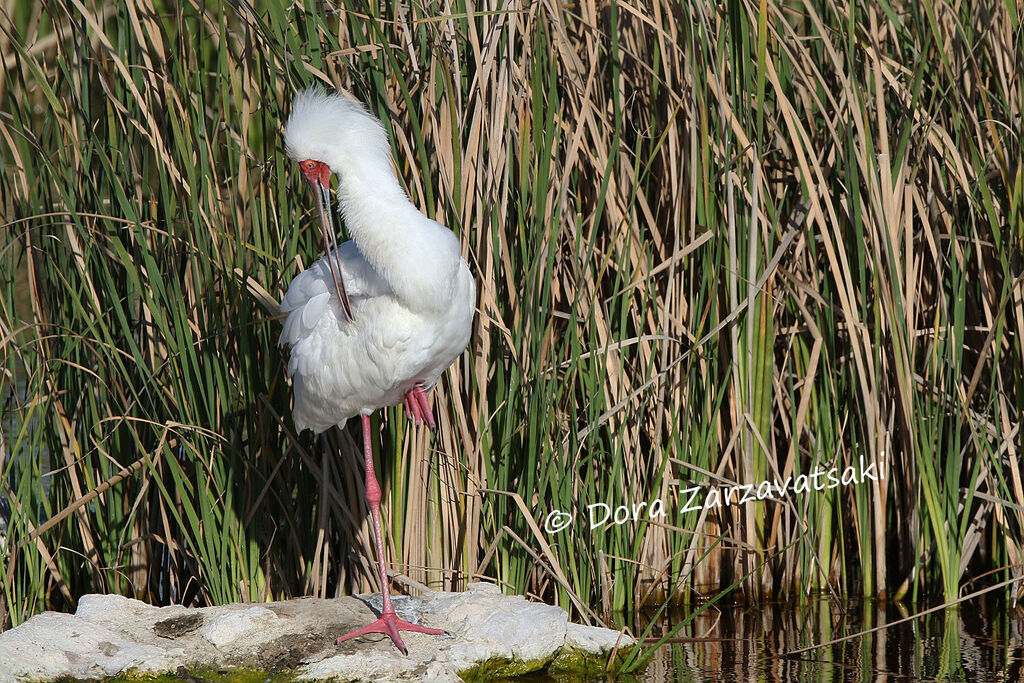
point(594, 638)
point(52, 645)
point(488, 633)
point(223, 629)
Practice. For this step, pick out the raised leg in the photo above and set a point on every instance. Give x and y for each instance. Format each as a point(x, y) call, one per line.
point(389, 624)
point(412, 408)
point(417, 404)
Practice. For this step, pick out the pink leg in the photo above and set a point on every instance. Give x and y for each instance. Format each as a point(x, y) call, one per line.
point(412, 409)
point(389, 624)
point(417, 404)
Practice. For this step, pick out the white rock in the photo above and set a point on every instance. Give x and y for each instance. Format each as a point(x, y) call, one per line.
point(102, 609)
point(51, 645)
point(484, 587)
point(466, 652)
point(380, 667)
point(594, 638)
point(439, 672)
point(220, 630)
point(531, 630)
point(111, 635)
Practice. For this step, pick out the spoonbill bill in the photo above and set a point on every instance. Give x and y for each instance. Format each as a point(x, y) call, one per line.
point(376, 320)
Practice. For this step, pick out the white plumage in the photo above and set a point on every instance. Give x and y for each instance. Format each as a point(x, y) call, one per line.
point(411, 293)
point(378, 319)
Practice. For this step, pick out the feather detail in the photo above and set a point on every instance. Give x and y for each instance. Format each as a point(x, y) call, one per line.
point(412, 295)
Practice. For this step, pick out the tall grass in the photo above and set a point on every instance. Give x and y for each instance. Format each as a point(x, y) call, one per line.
point(715, 244)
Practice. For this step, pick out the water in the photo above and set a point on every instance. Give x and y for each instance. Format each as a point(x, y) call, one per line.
point(981, 641)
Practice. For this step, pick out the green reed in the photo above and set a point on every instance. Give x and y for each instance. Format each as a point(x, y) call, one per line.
point(714, 246)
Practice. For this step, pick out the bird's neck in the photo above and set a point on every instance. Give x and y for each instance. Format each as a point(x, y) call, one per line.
point(413, 254)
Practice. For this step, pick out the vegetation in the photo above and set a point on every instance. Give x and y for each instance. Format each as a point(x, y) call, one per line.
point(716, 245)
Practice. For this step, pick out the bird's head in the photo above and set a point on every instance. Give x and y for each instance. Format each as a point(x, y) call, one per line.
point(326, 134)
point(317, 173)
point(329, 133)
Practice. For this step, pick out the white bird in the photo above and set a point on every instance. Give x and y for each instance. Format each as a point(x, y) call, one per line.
point(375, 321)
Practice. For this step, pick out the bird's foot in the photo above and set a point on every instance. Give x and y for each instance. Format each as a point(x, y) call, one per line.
point(417, 405)
point(389, 624)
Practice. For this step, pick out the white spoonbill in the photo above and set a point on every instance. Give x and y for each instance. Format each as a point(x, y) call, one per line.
point(375, 321)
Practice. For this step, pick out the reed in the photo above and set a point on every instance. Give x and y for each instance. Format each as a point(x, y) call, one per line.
point(715, 245)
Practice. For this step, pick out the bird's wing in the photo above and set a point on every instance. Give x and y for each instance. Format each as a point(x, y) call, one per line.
point(312, 293)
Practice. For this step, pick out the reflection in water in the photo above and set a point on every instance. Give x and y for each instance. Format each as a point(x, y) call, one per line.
point(980, 641)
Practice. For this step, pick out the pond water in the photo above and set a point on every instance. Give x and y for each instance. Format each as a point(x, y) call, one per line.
point(980, 641)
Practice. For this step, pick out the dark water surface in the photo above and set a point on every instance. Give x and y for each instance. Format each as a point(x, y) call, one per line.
point(977, 641)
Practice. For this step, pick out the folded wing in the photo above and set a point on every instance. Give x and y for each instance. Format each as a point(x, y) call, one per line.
point(312, 294)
